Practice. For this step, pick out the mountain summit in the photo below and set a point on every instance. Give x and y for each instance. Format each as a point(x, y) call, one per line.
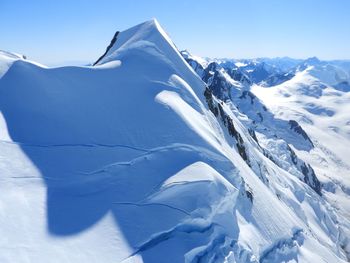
point(140, 159)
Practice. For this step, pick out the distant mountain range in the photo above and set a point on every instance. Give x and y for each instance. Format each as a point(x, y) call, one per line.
point(272, 71)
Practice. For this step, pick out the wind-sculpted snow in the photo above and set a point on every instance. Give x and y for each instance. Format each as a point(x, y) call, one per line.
point(136, 160)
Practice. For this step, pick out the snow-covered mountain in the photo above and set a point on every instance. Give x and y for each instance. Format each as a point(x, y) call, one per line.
point(265, 71)
point(156, 156)
point(330, 73)
point(306, 104)
point(273, 71)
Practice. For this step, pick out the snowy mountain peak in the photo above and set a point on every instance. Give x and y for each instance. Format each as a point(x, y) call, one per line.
point(147, 36)
point(139, 159)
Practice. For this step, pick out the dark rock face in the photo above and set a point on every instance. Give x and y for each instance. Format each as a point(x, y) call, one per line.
point(114, 39)
point(216, 81)
point(298, 129)
point(253, 135)
point(293, 156)
point(234, 133)
point(240, 143)
point(228, 123)
point(209, 98)
point(310, 178)
point(249, 194)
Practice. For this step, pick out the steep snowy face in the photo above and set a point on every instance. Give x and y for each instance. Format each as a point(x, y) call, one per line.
point(150, 37)
point(258, 119)
point(314, 99)
point(136, 160)
point(289, 123)
point(319, 107)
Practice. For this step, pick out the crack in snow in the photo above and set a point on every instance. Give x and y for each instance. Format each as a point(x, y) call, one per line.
point(90, 145)
point(151, 204)
point(185, 228)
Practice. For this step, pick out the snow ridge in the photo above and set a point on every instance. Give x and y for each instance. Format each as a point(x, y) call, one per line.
point(147, 158)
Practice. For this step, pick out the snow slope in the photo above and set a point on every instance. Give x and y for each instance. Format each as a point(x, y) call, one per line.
point(323, 112)
point(133, 160)
point(288, 147)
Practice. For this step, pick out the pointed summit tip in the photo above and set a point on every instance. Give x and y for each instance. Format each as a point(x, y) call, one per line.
point(153, 22)
point(148, 31)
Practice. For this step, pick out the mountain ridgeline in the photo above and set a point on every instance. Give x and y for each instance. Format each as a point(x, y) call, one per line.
point(155, 155)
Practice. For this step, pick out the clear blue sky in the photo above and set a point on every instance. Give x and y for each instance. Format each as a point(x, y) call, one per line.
point(63, 31)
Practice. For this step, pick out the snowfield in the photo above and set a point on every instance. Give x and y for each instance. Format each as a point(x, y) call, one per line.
point(137, 159)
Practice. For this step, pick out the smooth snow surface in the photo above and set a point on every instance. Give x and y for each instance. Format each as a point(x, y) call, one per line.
point(124, 162)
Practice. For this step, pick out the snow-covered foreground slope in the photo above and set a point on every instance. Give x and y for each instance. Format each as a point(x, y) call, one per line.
point(323, 111)
point(135, 160)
